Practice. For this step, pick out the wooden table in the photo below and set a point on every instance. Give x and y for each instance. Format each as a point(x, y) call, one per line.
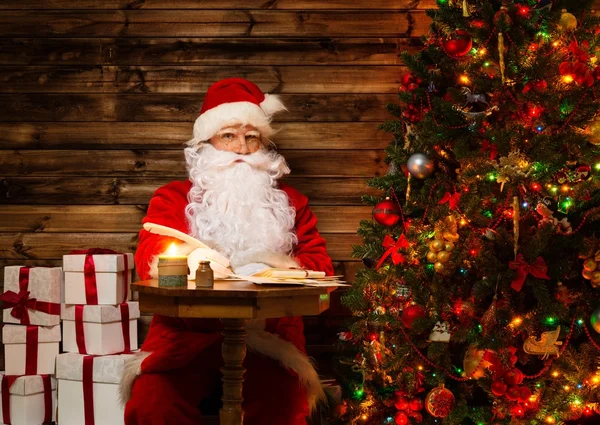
point(234, 302)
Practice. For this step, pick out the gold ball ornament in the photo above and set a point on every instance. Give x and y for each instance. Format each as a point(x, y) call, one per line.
point(432, 256)
point(593, 131)
point(437, 245)
point(595, 320)
point(587, 274)
point(590, 264)
point(568, 22)
point(439, 267)
point(595, 277)
point(443, 256)
point(449, 246)
point(597, 256)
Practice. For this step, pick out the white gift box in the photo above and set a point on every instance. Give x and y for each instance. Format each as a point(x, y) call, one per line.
point(45, 284)
point(102, 328)
point(108, 274)
point(15, 349)
point(110, 288)
point(107, 371)
point(27, 400)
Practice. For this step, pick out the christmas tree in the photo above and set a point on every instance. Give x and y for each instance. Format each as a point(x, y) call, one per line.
point(479, 302)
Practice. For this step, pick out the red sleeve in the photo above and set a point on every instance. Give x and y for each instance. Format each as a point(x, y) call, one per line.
point(167, 207)
point(311, 251)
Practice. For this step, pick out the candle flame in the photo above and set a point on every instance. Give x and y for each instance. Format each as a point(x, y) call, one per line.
point(172, 249)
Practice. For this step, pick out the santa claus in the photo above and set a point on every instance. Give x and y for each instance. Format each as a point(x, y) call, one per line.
point(233, 202)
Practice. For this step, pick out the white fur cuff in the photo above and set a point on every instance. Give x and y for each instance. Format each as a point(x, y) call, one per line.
point(131, 370)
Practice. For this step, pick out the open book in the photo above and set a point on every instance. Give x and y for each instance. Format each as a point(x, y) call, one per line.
point(222, 268)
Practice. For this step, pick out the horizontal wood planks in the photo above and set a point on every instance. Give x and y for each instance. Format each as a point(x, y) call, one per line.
point(97, 101)
point(220, 4)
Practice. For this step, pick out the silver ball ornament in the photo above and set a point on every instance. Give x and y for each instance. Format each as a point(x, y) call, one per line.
point(595, 320)
point(420, 166)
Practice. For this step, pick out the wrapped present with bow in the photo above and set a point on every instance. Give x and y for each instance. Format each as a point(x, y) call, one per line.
point(89, 389)
point(32, 295)
point(97, 276)
point(27, 400)
point(100, 329)
point(30, 350)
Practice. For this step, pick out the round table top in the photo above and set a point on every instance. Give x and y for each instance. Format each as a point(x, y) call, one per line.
point(229, 289)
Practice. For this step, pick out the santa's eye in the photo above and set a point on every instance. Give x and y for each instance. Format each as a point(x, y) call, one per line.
point(252, 137)
point(227, 136)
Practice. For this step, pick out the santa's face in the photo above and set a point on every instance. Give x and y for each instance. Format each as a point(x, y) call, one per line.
point(234, 205)
point(241, 139)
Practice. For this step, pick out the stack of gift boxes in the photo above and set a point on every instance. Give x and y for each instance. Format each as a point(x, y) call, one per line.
point(99, 333)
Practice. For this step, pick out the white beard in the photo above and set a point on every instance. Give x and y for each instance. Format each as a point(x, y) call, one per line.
point(235, 207)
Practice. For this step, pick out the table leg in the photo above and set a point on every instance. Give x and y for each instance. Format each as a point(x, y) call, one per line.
point(234, 352)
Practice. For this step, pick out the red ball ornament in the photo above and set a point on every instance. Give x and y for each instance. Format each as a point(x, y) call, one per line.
point(402, 403)
point(439, 402)
point(512, 393)
point(416, 416)
point(458, 45)
point(416, 405)
point(524, 394)
point(499, 388)
point(401, 418)
point(513, 377)
point(412, 313)
point(386, 213)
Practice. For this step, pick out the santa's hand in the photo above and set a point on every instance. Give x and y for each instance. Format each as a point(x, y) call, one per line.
point(250, 269)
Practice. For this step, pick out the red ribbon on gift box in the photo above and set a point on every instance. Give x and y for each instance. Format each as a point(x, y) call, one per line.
point(9, 380)
point(80, 333)
point(31, 350)
point(21, 303)
point(88, 389)
point(89, 272)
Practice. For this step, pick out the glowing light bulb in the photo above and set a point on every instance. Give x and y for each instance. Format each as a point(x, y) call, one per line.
point(556, 44)
point(568, 79)
point(420, 367)
point(463, 222)
point(516, 321)
point(555, 374)
point(464, 79)
point(364, 417)
point(550, 420)
point(567, 388)
point(482, 51)
point(595, 379)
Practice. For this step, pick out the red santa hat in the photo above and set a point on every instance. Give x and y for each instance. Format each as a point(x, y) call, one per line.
point(235, 101)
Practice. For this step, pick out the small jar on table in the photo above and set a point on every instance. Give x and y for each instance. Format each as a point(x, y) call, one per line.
point(204, 275)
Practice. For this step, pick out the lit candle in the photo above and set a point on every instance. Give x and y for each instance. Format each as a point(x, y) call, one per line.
point(172, 268)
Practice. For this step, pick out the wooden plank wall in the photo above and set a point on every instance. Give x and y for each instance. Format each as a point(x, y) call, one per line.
point(97, 97)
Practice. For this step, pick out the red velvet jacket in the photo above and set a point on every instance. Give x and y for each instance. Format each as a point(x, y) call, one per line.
point(175, 342)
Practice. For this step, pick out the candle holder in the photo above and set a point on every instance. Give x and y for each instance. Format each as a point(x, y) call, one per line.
point(172, 270)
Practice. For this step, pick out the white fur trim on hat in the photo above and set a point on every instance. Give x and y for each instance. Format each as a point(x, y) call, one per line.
point(214, 119)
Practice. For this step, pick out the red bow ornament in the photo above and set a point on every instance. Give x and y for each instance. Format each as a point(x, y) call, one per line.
point(452, 200)
point(393, 249)
point(537, 269)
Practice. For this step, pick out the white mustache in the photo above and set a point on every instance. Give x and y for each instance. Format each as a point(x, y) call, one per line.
point(260, 160)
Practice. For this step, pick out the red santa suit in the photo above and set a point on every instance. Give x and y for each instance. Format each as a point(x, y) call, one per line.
point(180, 359)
